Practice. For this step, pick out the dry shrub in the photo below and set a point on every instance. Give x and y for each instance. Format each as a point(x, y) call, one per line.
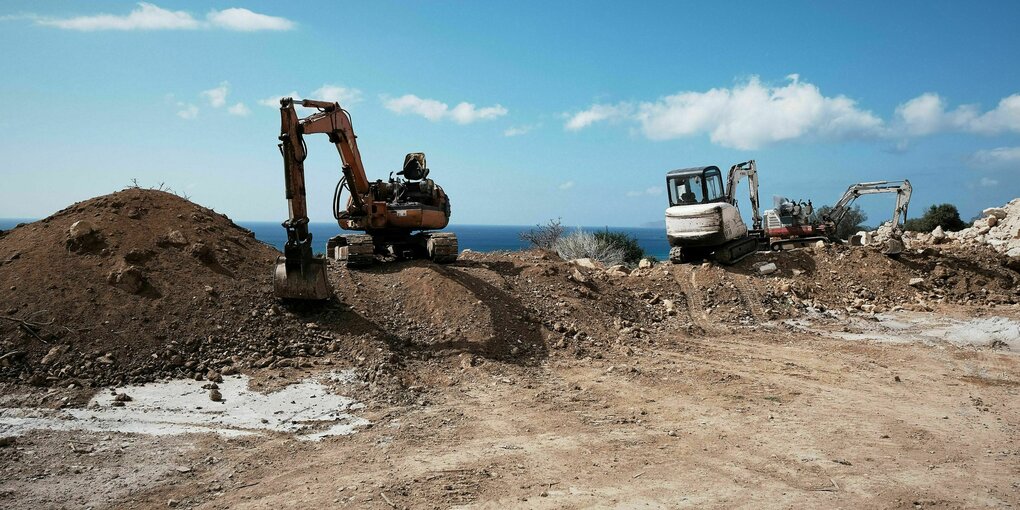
point(581, 245)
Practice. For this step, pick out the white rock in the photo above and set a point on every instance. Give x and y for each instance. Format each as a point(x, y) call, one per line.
point(997, 212)
point(767, 268)
point(585, 262)
point(914, 282)
point(938, 234)
point(645, 264)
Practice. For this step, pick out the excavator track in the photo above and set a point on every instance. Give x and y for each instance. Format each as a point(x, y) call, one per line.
point(735, 251)
point(353, 250)
point(441, 246)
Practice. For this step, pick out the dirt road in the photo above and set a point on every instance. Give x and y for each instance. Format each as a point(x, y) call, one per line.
point(820, 411)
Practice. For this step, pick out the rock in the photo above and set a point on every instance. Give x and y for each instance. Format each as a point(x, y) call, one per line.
point(578, 276)
point(83, 237)
point(130, 279)
point(767, 268)
point(992, 221)
point(670, 306)
point(7, 441)
point(81, 228)
point(215, 395)
point(54, 353)
point(938, 235)
point(172, 503)
point(176, 238)
point(617, 270)
point(136, 256)
point(585, 262)
point(214, 376)
point(820, 244)
point(122, 397)
point(105, 359)
point(915, 282)
point(997, 212)
point(202, 252)
point(645, 264)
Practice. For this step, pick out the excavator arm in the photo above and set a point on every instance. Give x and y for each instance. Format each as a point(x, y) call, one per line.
point(299, 274)
point(750, 170)
point(901, 188)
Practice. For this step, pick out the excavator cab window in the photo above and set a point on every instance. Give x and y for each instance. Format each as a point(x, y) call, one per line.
point(695, 189)
point(713, 185)
point(685, 190)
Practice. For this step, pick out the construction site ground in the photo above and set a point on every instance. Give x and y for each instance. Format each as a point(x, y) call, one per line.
point(506, 380)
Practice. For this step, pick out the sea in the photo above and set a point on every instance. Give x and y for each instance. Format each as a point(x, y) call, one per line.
point(472, 237)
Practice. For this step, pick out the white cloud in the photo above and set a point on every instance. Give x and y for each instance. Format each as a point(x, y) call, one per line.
point(217, 97)
point(520, 130)
point(187, 111)
point(988, 182)
point(566, 185)
point(336, 94)
point(239, 109)
point(274, 101)
point(996, 156)
point(927, 114)
point(145, 17)
point(463, 113)
point(410, 103)
point(650, 192)
point(752, 115)
point(244, 20)
point(466, 113)
point(747, 116)
point(149, 16)
point(597, 113)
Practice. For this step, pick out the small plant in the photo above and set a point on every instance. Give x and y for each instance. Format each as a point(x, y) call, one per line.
point(632, 251)
point(585, 245)
point(544, 236)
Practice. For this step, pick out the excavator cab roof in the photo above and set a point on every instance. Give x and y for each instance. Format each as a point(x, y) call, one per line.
point(698, 170)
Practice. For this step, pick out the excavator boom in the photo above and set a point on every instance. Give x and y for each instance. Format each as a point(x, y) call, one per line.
point(750, 170)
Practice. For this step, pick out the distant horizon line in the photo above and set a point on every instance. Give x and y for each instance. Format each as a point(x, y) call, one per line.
point(646, 225)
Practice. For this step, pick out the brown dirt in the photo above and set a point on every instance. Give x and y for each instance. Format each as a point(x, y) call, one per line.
point(518, 379)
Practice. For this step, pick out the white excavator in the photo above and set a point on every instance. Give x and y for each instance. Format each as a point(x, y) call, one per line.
point(703, 220)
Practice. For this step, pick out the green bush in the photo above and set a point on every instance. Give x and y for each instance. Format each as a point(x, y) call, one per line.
point(632, 251)
point(944, 215)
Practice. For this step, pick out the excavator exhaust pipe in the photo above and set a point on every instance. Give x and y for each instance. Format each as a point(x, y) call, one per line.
point(306, 281)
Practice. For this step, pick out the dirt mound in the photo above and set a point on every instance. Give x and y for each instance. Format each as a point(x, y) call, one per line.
point(135, 285)
point(142, 284)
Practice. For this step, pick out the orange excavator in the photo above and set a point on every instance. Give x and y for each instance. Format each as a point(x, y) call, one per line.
point(396, 216)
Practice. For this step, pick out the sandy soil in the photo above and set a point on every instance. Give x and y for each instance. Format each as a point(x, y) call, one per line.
point(821, 410)
point(842, 379)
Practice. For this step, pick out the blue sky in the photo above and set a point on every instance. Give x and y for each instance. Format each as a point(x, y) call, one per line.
point(526, 110)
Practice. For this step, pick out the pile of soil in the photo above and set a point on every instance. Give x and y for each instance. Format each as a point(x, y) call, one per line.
point(142, 284)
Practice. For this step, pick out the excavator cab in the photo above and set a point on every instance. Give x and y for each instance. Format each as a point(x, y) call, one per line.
point(695, 186)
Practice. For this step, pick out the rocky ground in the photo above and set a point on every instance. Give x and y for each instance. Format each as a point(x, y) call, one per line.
point(839, 378)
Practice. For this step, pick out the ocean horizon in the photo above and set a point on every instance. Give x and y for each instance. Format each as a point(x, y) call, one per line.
point(471, 237)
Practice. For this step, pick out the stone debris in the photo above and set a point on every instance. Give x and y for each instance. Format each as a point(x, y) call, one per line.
point(998, 228)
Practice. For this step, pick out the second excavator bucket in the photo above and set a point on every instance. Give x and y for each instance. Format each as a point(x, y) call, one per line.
point(301, 281)
point(892, 247)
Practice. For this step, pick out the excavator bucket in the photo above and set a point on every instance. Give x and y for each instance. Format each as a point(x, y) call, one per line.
point(305, 281)
point(892, 247)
